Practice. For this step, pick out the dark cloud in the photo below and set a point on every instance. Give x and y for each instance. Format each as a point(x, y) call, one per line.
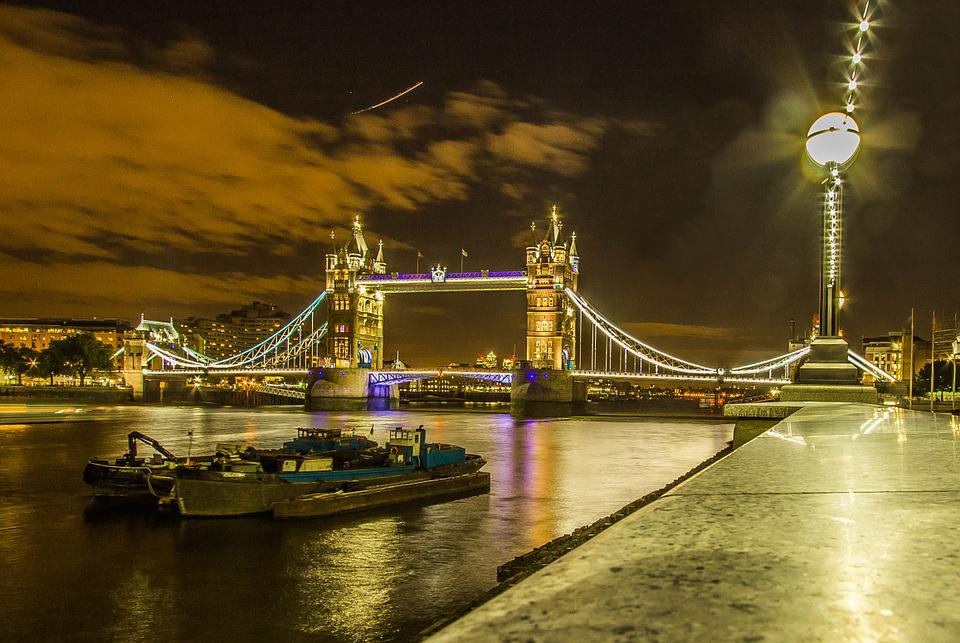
point(111, 162)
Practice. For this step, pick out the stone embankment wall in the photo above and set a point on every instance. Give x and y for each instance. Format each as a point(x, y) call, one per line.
point(65, 394)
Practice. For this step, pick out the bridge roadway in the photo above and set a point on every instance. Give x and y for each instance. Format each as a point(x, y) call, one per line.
point(502, 377)
point(442, 281)
point(839, 523)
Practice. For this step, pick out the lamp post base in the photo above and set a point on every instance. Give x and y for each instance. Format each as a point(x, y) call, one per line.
point(828, 376)
point(828, 364)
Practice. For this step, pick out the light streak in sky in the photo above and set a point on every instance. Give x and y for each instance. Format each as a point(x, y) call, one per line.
point(389, 100)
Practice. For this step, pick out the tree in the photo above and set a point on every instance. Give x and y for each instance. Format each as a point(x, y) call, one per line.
point(26, 360)
point(942, 377)
point(84, 353)
point(7, 356)
point(52, 361)
point(16, 360)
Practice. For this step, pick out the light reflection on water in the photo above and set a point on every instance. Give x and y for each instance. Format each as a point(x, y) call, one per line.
point(383, 575)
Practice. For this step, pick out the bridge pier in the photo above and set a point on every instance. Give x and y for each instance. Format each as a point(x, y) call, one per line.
point(546, 391)
point(342, 389)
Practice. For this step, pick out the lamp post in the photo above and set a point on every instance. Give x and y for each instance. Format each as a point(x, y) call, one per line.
point(832, 144)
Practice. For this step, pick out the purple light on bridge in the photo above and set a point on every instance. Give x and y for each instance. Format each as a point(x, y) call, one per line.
point(507, 273)
point(465, 275)
point(413, 277)
point(378, 277)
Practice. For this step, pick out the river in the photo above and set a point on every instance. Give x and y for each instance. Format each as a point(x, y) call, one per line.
point(71, 573)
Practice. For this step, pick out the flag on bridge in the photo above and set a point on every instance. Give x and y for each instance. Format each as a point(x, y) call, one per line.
point(464, 252)
point(419, 255)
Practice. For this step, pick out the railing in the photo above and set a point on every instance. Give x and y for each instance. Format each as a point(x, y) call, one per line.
point(402, 377)
point(282, 391)
point(715, 378)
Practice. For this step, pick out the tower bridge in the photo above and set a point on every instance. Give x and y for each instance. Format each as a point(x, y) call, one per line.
point(335, 346)
point(357, 284)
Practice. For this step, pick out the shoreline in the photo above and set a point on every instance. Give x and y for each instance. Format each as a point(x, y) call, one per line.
point(524, 565)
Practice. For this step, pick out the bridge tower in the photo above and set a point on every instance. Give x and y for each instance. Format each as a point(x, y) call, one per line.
point(552, 266)
point(355, 330)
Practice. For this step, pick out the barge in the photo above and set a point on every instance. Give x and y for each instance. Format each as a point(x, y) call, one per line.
point(131, 477)
point(237, 487)
point(320, 505)
point(325, 465)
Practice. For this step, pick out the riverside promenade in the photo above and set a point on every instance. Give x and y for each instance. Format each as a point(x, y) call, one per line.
point(840, 523)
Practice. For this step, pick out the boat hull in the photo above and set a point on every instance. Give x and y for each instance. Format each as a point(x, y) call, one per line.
point(141, 483)
point(320, 505)
point(236, 494)
point(224, 493)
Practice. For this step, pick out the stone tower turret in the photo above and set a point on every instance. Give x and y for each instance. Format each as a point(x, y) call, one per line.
point(355, 331)
point(552, 267)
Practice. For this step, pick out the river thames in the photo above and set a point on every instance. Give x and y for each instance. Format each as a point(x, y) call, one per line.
point(74, 573)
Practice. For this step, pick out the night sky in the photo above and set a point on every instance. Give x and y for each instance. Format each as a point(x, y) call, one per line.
point(185, 158)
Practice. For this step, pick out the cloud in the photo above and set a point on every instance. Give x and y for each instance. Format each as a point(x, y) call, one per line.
point(121, 154)
point(560, 147)
point(92, 287)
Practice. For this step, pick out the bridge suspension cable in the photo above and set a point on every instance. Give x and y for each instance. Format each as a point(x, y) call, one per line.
point(771, 364)
point(287, 346)
point(631, 344)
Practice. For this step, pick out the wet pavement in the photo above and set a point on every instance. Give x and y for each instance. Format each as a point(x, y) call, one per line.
point(840, 523)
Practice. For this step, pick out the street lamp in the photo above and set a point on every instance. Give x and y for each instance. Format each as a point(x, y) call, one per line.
point(832, 144)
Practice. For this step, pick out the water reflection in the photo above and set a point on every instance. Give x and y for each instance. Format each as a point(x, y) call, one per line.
point(385, 575)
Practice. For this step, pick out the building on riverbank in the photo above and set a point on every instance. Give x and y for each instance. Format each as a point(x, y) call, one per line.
point(38, 333)
point(233, 332)
point(896, 354)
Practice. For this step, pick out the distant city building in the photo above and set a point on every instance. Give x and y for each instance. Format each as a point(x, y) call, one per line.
point(487, 361)
point(39, 333)
point(894, 353)
point(452, 387)
point(396, 364)
point(508, 362)
point(233, 332)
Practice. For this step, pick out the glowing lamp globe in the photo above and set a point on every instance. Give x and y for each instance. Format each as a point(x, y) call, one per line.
point(833, 138)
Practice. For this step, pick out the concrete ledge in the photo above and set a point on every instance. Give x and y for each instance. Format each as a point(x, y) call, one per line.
point(761, 410)
point(829, 393)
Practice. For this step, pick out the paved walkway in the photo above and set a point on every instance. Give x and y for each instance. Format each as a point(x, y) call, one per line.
point(840, 523)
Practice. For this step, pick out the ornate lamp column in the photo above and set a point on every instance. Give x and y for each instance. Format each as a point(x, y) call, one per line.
point(832, 144)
